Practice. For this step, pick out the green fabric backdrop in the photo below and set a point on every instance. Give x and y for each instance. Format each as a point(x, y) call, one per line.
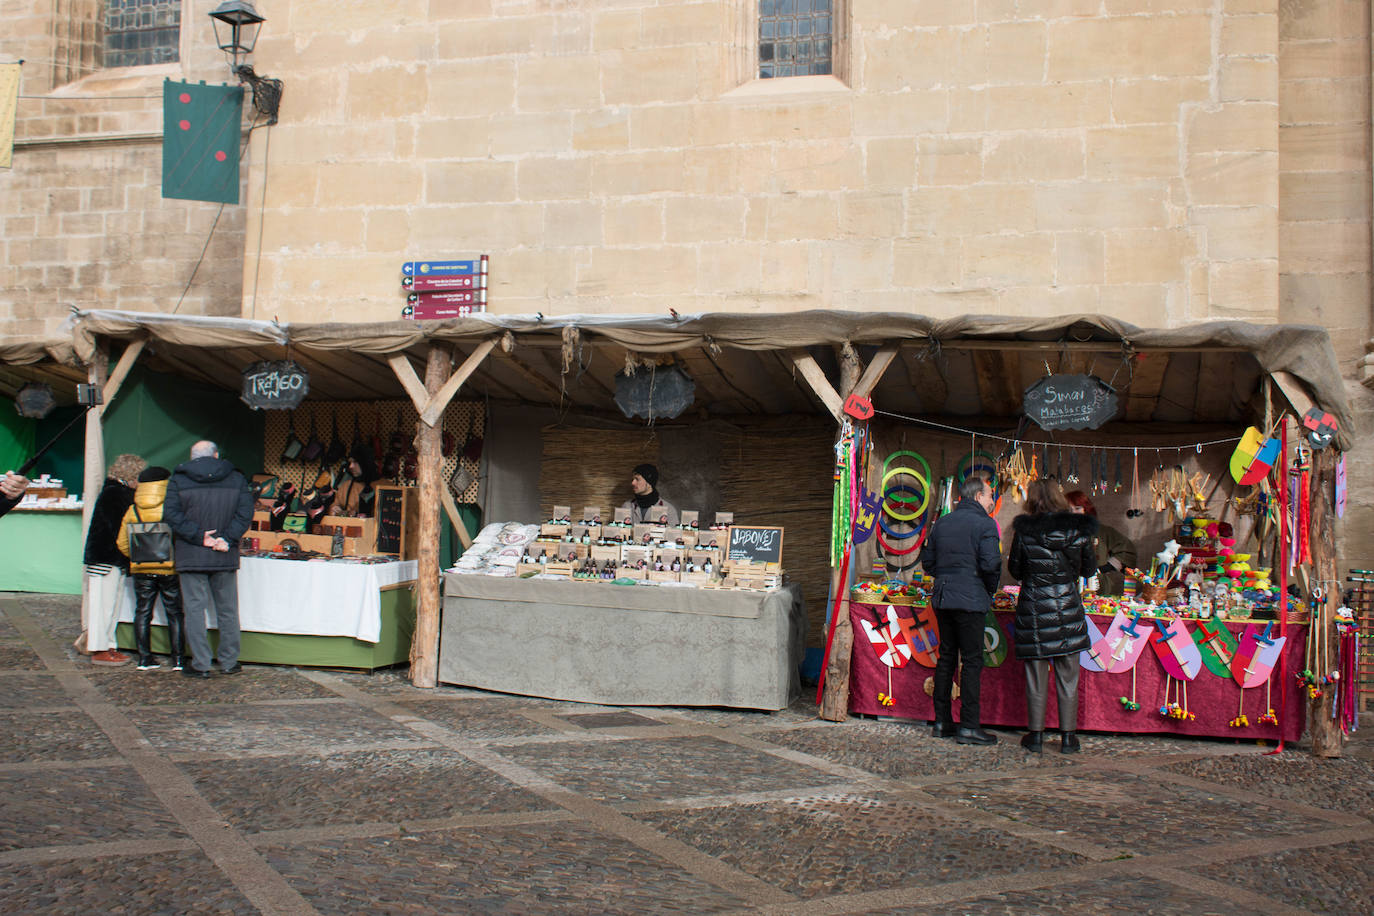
point(16, 436)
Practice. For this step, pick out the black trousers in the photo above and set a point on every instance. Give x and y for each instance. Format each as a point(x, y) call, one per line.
point(146, 590)
point(961, 640)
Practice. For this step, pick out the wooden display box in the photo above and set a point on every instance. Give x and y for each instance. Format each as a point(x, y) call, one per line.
point(559, 568)
point(365, 528)
point(631, 572)
point(666, 575)
point(697, 578)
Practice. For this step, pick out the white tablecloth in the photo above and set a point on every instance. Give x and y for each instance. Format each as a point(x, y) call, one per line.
point(305, 598)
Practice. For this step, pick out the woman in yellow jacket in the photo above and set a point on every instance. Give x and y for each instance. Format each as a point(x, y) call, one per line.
point(153, 579)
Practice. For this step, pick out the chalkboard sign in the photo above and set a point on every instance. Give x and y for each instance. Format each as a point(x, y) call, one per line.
point(754, 545)
point(276, 385)
point(390, 519)
point(1070, 402)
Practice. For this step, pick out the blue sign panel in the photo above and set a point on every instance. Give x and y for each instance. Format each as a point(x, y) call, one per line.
point(441, 268)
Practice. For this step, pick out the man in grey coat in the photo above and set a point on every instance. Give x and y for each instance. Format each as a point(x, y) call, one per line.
point(963, 553)
point(209, 506)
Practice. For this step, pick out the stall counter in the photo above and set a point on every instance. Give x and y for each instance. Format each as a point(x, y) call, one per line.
point(313, 613)
point(1214, 701)
point(42, 550)
point(630, 645)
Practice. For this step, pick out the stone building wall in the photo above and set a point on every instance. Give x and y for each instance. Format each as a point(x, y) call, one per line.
point(83, 218)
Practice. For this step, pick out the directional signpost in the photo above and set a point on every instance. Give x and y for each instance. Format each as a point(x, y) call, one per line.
point(444, 289)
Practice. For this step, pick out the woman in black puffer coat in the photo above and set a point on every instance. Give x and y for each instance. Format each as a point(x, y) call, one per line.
point(1051, 548)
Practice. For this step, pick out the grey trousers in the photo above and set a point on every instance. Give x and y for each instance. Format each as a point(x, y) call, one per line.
point(1066, 670)
point(199, 592)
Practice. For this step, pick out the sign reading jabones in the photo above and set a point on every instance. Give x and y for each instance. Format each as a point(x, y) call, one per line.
point(275, 385)
point(752, 544)
point(1070, 402)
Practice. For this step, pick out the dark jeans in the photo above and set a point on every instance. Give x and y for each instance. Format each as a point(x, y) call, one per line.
point(961, 639)
point(146, 591)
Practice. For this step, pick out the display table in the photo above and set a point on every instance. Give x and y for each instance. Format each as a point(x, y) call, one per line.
point(314, 613)
point(594, 642)
point(1215, 701)
point(42, 551)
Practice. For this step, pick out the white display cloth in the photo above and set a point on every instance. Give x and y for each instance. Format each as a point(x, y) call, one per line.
point(305, 597)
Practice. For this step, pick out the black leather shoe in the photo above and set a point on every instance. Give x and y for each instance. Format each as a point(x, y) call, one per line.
point(188, 671)
point(974, 736)
point(235, 668)
point(1069, 743)
point(943, 730)
point(1033, 742)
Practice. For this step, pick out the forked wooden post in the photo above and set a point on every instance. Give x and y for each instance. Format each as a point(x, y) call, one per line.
point(424, 649)
point(1326, 733)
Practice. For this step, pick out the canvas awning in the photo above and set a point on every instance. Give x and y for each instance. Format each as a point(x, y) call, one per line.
point(971, 366)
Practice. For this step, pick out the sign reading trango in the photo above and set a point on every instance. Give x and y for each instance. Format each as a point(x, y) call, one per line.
point(277, 385)
point(1070, 402)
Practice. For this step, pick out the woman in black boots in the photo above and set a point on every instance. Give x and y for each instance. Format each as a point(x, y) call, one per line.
point(153, 579)
point(1051, 548)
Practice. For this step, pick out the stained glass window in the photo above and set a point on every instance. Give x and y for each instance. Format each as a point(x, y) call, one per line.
point(794, 37)
point(140, 32)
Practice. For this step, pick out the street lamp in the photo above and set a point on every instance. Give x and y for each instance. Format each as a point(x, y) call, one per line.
point(236, 26)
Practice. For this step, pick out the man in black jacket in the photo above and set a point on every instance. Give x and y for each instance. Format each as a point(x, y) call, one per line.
point(209, 506)
point(963, 553)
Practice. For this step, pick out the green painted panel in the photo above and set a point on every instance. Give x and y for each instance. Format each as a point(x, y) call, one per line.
point(42, 552)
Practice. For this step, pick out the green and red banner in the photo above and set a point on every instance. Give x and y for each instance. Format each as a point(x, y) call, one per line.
point(201, 131)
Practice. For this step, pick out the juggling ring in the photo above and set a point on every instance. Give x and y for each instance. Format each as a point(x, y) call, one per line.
point(882, 519)
point(888, 560)
point(893, 550)
point(991, 467)
point(925, 465)
point(925, 498)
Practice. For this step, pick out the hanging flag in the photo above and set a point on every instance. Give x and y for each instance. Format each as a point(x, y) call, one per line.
point(9, 100)
point(201, 128)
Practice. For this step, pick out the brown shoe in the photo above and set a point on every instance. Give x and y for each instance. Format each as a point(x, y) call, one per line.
point(111, 657)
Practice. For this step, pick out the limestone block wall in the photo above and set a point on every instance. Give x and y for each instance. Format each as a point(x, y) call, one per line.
point(1324, 212)
point(83, 218)
point(1117, 157)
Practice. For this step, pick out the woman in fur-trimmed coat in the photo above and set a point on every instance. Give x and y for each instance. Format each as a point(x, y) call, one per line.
point(1051, 549)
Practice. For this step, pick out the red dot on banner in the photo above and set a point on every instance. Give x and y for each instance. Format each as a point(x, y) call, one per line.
point(184, 125)
point(184, 98)
point(220, 155)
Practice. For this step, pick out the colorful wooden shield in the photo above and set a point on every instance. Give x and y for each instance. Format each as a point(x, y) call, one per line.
point(1257, 654)
point(1217, 646)
point(1086, 660)
point(994, 642)
point(922, 635)
point(866, 514)
point(1122, 645)
point(1265, 459)
point(888, 640)
point(1177, 652)
point(1246, 450)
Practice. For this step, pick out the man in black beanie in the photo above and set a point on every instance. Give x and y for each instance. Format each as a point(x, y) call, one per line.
point(646, 506)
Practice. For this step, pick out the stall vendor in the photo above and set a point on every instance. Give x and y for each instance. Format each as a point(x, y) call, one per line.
point(354, 495)
point(1115, 552)
point(646, 507)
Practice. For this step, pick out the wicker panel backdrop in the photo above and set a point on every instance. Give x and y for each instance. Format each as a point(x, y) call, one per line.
point(765, 474)
point(463, 421)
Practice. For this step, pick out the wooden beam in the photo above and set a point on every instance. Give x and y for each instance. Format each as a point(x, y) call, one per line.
point(876, 367)
point(820, 385)
point(434, 410)
point(1326, 732)
point(455, 518)
point(92, 480)
point(121, 371)
point(1146, 381)
point(424, 648)
point(405, 374)
point(528, 373)
point(835, 694)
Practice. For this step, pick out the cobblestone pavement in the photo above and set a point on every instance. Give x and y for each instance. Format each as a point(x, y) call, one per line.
point(308, 791)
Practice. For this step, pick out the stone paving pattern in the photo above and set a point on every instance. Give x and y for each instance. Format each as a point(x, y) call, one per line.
point(286, 790)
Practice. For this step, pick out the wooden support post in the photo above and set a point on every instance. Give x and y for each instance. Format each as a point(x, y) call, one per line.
point(1326, 732)
point(835, 697)
point(121, 371)
point(424, 649)
point(815, 377)
point(92, 474)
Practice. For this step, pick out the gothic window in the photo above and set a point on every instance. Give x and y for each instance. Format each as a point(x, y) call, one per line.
point(795, 38)
point(141, 32)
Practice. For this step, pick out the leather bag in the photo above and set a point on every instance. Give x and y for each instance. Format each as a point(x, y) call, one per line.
point(149, 542)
